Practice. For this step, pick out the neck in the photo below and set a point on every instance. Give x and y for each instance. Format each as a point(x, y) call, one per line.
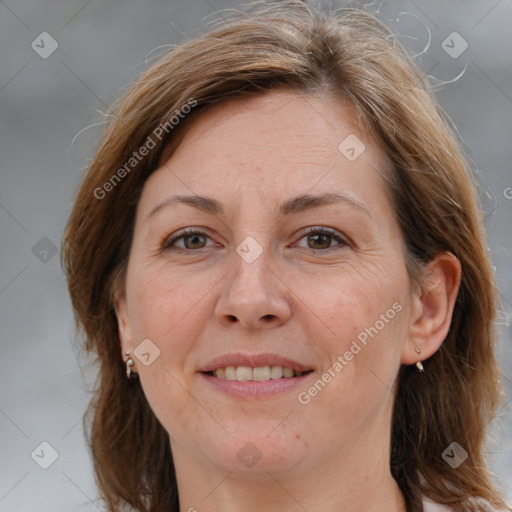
point(357, 478)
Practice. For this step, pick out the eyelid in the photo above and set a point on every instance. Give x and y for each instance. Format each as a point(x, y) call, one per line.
point(183, 233)
point(342, 239)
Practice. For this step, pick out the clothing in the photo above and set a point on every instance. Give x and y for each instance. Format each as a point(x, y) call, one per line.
point(429, 506)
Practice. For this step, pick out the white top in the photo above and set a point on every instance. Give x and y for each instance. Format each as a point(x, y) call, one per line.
point(429, 506)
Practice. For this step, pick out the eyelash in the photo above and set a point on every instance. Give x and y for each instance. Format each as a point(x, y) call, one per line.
point(167, 244)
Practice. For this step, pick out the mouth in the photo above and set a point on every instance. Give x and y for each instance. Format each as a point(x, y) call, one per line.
point(254, 376)
point(258, 374)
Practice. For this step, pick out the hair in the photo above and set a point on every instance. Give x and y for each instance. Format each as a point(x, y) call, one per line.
point(350, 55)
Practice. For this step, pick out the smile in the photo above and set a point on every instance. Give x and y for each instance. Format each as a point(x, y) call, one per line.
point(259, 374)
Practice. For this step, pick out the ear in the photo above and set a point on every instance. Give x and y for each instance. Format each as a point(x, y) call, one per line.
point(123, 320)
point(432, 308)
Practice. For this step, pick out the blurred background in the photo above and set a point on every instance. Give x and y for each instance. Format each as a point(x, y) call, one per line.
point(62, 64)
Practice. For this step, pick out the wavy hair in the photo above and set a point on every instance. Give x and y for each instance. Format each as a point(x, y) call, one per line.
point(350, 54)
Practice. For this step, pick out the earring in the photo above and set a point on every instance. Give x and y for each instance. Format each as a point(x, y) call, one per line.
point(129, 364)
point(418, 364)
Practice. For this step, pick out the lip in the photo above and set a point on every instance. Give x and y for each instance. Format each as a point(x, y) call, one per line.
point(254, 389)
point(253, 361)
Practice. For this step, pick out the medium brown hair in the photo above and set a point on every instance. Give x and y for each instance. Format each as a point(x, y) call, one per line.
point(350, 55)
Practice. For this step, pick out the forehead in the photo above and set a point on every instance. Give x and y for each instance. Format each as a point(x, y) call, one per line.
point(272, 144)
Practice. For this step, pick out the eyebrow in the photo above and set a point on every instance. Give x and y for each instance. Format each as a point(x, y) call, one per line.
point(293, 205)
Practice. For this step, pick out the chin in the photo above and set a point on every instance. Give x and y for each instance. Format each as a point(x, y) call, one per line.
point(257, 452)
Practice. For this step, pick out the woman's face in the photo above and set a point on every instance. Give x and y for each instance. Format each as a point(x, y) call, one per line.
point(296, 263)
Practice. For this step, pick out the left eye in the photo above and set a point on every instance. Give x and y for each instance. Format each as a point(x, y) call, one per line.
point(323, 238)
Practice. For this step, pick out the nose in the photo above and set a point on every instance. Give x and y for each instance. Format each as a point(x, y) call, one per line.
point(254, 296)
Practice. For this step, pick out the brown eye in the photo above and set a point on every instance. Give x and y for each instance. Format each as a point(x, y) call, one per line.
point(195, 240)
point(320, 239)
point(191, 240)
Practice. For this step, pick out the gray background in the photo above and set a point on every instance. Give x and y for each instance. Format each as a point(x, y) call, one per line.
point(51, 114)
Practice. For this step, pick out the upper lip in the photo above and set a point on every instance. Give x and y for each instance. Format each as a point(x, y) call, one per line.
point(253, 361)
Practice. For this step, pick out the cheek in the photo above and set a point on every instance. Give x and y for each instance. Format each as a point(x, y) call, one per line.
point(165, 308)
point(363, 329)
point(346, 306)
point(164, 302)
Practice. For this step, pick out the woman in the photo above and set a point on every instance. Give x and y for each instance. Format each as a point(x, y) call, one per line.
point(278, 243)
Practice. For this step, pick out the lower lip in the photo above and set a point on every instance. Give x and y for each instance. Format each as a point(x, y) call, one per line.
point(255, 389)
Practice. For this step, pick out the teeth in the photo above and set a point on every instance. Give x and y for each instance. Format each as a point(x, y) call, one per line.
point(243, 373)
point(287, 373)
point(260, 373)
point(230, 373)
point(276, 372)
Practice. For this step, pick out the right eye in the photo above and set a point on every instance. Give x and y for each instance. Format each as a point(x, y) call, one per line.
point(192, 240)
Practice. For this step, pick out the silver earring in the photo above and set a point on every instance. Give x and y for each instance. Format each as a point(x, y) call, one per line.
point(418, 364)
point(129, 364)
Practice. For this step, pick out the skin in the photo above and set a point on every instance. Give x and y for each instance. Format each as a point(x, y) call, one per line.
point(303, 297)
